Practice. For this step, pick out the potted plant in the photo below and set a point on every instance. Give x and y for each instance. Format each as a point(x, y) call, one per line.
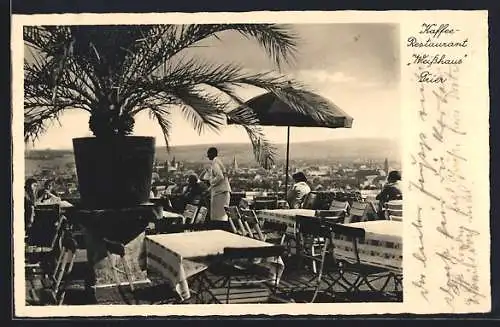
point(115, 72)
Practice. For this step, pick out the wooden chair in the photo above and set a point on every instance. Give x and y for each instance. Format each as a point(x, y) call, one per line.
point(41, 248)
point(251, 224)
point(53, 273)
point(309, 200)
point(352, 274)
point(357, 213)
point(190, 212)
point(201, 215)
point(313, 246)
point(234, 220)
point(394, 210)
point(61, 276)
point(241, 276)
point(337, 211)
point(339, 205)
point(336, 216)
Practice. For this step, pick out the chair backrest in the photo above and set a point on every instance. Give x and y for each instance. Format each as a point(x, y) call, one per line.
point(348, 231)
point(357, 212)
point(339, 205)
point(201, 215)
point(190, 212)
point(310, 200)
point(254, 252)
point(337, 215)
point(235, 222)
point(251, 223)
point(312, 227)
point(352, 234)
point(395, 210)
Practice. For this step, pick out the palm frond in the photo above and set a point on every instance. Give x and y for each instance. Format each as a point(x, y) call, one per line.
point(227, 77)
point(201, 110)
point(37, 120)
point(162, 116)
point(263, 150)
point(279, 42)
point(78, 66)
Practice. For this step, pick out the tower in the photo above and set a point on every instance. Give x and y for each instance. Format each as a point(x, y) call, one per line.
point(235, 164)
point(386, 166)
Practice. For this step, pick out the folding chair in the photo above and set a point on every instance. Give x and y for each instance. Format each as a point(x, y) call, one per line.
point(196, 223)
point(235, 222)
point(275, 233)
point(54, 263)
point(309, 200)
point(251, 224)
point(358, 212)
point(190, 212)
point(41, 245)
point(362, 275)
point(314, 243)
point(64, 266)
point(242, 276)
point(394, 210)
point(336, 213)
point(201, 215)
point(339, 205)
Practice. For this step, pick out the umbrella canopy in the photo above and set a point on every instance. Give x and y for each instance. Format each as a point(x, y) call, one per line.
point(270, 110)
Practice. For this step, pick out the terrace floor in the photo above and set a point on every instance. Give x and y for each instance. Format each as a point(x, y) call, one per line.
point(157, 291)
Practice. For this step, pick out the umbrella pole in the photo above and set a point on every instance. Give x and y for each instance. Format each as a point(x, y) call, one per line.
point(287, 157)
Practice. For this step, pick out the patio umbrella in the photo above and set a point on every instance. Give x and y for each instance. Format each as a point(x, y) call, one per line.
point(272, 111)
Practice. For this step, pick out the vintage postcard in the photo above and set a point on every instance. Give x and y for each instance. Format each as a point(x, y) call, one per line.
point(251, 163)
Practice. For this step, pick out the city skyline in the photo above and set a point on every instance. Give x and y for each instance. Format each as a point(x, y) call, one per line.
point(354, 65)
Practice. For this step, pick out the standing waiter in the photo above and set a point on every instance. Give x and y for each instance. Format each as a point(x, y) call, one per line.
point(220, 190)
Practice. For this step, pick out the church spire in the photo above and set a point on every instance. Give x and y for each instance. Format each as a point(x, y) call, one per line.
point(235, 164)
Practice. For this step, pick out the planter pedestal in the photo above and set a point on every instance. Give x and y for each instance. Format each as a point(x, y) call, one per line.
point(124, 227)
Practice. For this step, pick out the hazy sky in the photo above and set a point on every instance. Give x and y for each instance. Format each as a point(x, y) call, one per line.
point(354, 65)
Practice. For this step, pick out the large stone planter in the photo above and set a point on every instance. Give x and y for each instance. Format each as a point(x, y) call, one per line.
point(114, 173)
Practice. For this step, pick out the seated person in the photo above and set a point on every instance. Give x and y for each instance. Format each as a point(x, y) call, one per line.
point(194, 190)
point(299, 191)
point(45, 195)
point(391, 190)
point(30, 187)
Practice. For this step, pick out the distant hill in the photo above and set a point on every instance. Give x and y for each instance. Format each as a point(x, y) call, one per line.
point(341, 149)
point(346, 149)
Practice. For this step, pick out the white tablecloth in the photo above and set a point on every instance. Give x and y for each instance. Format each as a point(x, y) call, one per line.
point(286, 216)
point(183, 255)
point(382, 246)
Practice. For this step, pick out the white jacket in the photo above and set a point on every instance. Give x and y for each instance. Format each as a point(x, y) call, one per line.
point(219, 182)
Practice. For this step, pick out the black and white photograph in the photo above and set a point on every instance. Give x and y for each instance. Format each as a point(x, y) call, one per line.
point(175, 165)
point(230, 163)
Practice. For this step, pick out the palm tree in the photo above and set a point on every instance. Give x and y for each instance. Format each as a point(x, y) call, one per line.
point(115, 72)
